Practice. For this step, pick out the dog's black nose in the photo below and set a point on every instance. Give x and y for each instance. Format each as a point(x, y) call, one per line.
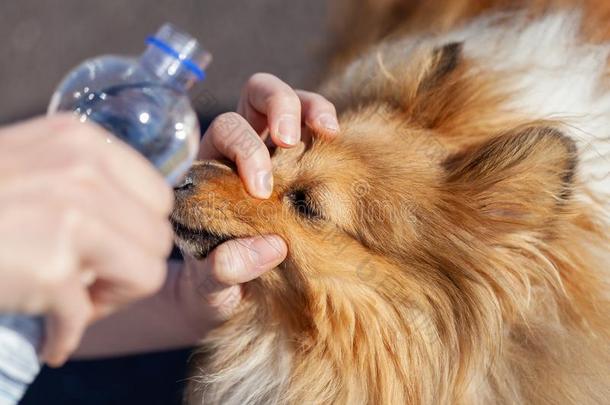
point(186, 184)
point(197, 177)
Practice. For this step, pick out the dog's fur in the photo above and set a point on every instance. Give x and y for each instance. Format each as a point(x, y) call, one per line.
point(451, 246)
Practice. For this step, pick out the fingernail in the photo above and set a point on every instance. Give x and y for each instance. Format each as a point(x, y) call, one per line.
point(264, 184)
point(329, 122)
point(267, 250)
point(288, 129)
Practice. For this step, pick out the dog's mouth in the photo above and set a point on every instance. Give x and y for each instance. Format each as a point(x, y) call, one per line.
point(199, 242)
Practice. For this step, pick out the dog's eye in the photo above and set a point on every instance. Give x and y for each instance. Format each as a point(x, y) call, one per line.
point(303, 204)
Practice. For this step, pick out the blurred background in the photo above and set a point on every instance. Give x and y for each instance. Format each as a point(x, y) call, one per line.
point(43, 40)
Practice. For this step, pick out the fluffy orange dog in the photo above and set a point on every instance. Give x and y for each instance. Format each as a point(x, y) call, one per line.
point(452, 245)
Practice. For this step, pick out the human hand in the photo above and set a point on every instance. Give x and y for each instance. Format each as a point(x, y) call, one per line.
point(210, 290)
point(83, 227)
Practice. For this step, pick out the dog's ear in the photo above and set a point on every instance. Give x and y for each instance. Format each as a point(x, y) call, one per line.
point(439, 86)
point(518, 179)
point(445, 59)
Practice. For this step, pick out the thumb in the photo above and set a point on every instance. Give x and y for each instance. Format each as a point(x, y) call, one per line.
point(231, 264)
point(66, 323)
point(241, 260)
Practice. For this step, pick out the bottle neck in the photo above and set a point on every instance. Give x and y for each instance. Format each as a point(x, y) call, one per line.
point(175, 58)
point(168, 69)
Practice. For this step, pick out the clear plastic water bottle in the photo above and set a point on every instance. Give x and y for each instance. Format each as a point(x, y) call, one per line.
point(142, 101)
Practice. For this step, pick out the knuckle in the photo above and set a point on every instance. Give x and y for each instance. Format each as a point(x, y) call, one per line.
point(285, 98)
point(257, 78)
point(318, 101)
point(226, 122)
point(250, 152)
point(325, 104)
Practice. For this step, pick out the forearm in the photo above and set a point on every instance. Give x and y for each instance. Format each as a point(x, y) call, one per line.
point(154, 324)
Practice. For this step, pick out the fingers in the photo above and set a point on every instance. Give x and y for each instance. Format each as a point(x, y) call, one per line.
point(265, 94)
point(98, 206)
point(231, 136)
point(132, 173)
point(92, 192)
point(318, 113)
point(123, 271)
point(91, 146)
point(128, 263)
point(241, 260)
point(66, 323)
point(149, 232)
point(267, 101)
point(233, 263)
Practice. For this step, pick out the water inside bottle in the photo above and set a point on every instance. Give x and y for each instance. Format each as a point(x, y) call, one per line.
point(137, 113)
